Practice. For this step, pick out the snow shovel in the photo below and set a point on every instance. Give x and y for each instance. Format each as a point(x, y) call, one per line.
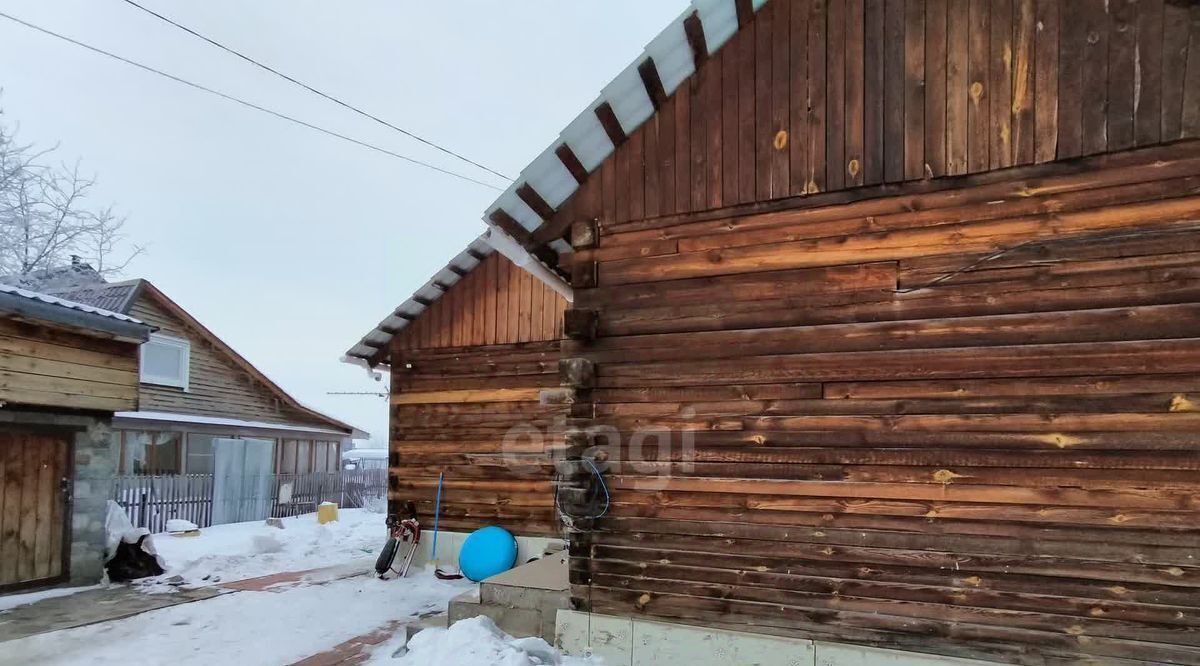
point(437, 512)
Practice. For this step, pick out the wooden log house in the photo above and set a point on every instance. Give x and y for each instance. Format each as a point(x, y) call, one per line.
point(914, 285)
point(919, 281)
point(470, 354)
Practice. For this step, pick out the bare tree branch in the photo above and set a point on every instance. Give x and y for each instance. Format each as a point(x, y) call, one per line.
point(45, 214)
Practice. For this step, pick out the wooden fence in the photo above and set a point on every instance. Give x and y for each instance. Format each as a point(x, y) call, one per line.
point(150, 501)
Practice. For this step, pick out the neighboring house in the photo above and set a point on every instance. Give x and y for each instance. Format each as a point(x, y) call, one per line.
point(363, 459)
point(195, 390)
point(65, 368)
point(915, 289)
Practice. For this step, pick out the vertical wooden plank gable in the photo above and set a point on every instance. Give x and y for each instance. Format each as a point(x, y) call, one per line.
point(914, 89)
point(1046, 73)
point(936, 68)
point(872, 153)
point(958, 84)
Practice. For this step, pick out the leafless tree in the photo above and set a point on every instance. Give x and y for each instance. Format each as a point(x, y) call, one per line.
point(46, 216)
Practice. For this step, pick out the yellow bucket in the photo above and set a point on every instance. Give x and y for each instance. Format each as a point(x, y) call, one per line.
point(326, 512)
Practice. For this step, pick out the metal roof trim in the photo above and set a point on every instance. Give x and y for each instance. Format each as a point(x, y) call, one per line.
point(44, 307)
point(369, 346)
point(630, 102)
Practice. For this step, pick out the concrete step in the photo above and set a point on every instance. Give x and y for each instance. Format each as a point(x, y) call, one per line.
point(518, 622)
point(524, 601)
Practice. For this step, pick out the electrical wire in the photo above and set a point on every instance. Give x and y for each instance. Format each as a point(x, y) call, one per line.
point(313, 90)
point(251, 105)
point(595, 495)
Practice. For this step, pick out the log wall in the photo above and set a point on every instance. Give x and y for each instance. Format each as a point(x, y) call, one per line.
point(957, 416)
point(466, 383)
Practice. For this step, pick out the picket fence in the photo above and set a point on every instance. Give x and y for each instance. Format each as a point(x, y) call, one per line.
point(150, 501)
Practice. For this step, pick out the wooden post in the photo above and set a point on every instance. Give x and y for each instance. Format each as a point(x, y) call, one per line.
point(579, 324)
point(585, 234)
point(578, 373)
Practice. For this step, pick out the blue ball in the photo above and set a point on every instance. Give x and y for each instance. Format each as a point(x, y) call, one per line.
point(487, 552)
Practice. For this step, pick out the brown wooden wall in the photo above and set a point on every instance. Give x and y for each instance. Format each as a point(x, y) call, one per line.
point(469, 404)
point(51, 367)
point(814, 96)
point(959, 416)
point(474, 414)
point(496, 303)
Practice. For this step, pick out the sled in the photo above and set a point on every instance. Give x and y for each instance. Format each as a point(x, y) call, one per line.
point(402, 534)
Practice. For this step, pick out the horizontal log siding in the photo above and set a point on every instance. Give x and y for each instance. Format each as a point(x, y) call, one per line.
point(473, 413)
point(50, 367)
point(956, 418)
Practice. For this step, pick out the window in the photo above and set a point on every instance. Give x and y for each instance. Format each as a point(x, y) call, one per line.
point(287, 457)
point(320, 456)
point(200, 453)
point(165, 361)
point(303, 456)
point(150, 452)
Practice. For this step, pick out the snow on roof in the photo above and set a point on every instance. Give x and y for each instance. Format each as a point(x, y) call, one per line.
point(365, 454)
point(221, 421)
point(115, 296)
point(671, 56)
point(367, 349)
point(62, 302)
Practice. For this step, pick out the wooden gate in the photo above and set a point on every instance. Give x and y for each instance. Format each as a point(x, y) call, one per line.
point(33, 527)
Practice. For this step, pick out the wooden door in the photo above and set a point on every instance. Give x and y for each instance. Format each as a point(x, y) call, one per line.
point(33, 509)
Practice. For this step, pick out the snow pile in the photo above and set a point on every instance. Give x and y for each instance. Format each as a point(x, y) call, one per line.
point(249, 550)
point(181, 525)
point(11, 601)
point(473, 642)
point(270, 627)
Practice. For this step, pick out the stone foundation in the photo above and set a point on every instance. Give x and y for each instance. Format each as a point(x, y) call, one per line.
point(634, 641)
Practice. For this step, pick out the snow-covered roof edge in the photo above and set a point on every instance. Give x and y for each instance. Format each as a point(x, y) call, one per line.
point(670, 56)
point(60, 310)
point(233, 423)
point(368, 350)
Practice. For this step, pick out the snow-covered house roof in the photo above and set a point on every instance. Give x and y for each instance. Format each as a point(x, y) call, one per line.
point(516, 217)
point(84, 287)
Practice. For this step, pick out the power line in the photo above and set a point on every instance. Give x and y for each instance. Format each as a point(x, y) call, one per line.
point(313, 90)
point(251, 105)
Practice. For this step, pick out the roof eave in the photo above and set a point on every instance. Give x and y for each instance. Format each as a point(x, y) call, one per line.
point(127, 331)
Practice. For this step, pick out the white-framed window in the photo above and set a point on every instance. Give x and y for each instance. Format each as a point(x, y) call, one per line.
point(165, 361)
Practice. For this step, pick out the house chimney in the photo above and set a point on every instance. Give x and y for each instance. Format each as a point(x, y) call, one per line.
point(76, 260)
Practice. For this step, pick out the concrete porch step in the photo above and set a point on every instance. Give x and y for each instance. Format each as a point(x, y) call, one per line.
point(523, 602)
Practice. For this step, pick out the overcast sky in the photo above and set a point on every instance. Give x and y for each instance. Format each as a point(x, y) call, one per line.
point(291, 245)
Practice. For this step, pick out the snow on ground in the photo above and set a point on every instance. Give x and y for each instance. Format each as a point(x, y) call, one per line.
point(11, 601)
point(474, 642)
point(261, 628)
point(249, 550)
